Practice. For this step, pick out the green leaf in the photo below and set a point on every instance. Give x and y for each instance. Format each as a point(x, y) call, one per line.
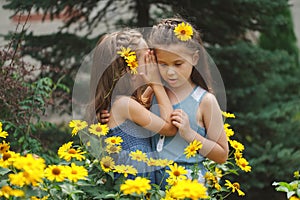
point(4, 171)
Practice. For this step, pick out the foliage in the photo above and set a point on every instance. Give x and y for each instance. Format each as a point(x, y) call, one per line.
point(78, 174)
point(291, 189)
point(260, 73)
point(25, 96)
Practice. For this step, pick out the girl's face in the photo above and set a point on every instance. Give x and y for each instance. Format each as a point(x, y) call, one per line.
point(175, 64)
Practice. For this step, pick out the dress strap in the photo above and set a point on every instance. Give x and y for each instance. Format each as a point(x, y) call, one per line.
point(198, 94)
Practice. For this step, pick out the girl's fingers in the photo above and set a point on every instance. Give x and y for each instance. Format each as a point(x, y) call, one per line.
point(176, 118)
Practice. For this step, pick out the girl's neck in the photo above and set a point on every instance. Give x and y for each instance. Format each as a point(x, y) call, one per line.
point(178, 94)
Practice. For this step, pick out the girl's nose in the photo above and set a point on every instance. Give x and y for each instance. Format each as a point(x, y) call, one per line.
point(170, 71)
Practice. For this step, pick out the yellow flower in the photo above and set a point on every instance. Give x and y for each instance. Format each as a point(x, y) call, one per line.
point(77, 125)
point(115, 140)
point(132, 64)
point(183, 31)
point(296, 174)
point(152, 162)
point(138, 186)
point(55, 172)
point(6, 191)
point(234, 187)
point(113, 149)
point(228, 115)
point(8, 158)
point(74, 172)
point(229, 132)
point(138, 155)
point(130, 58)
point(125, 52)
point(237, 155)
point(176, 173)
point(107, 164)
point(243, 164)
point(191, 189)
point(3, 134)
point(125, 169)
point(237, 145)
point(192, 148)
point(32, 168)
point(294, 198)
point(4, 147)
point(66, 152)
point(99, 129)
point(212, 180)
point(164, 162)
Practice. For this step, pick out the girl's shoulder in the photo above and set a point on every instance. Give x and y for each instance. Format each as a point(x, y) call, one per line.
point(209, 100)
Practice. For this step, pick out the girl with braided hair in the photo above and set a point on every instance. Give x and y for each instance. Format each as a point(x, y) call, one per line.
point(123, 65)
point(183, 66)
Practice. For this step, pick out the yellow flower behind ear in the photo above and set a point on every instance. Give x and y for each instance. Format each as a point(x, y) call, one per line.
point(183, 32)
point(125, 52)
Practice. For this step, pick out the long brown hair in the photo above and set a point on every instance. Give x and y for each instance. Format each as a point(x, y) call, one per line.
point(163, 34)
point(108, 71)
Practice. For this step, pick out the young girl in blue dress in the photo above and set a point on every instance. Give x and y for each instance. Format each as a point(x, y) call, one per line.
point(123, 65)
point(183, 67)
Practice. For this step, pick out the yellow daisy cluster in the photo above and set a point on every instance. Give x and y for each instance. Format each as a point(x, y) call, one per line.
point(58, 173)
point(183, 31)
point(237, 146)
point(7, 192)
point(137, 186)
point(130, 58)
point(95, 129)
point(31, 170)
point(187, 188)
point(212, 178)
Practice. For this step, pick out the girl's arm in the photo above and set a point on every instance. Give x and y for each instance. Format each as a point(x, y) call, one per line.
point(128, 108)
point(152, 78)
point(215, 146)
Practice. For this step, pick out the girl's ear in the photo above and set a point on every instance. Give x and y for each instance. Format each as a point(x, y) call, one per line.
point(195, 58)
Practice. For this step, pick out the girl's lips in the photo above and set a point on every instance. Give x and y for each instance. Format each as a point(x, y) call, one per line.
point(172, 80)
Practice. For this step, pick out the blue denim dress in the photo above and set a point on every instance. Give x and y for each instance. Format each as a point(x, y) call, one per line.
point(173, 147)
point(134, 138)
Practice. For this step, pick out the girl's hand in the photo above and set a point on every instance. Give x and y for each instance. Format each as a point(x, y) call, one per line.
point(103, 116)
point(151, 74)
point(181, 120)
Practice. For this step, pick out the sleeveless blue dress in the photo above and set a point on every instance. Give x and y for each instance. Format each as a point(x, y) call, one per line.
point(134, 138)
point(173, 147)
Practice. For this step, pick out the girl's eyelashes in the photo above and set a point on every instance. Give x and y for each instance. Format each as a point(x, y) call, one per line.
point(162, 65)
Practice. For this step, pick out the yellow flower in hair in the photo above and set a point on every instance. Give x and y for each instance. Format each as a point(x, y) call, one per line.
point(183, 32)
point(133, 66)
point(130, 58)
point(125, 52)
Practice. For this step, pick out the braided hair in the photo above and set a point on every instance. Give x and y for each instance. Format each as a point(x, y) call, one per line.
point(109, 68)
point(162, 34)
